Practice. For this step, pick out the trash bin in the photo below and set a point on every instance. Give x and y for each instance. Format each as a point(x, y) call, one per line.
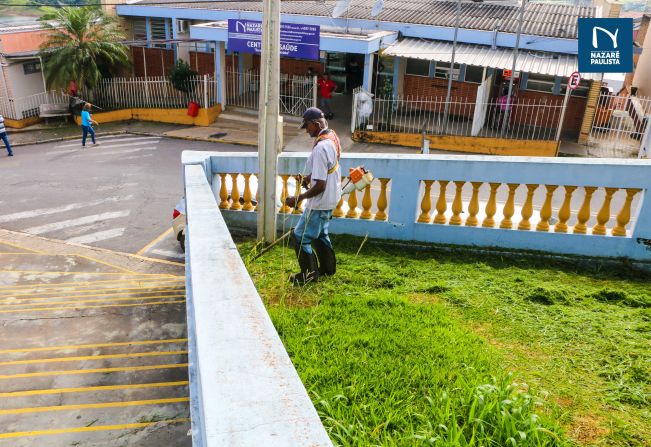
point(193, 108)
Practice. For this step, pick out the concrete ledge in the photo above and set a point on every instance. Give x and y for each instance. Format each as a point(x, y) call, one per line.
point(244, 388)
point(172, 116)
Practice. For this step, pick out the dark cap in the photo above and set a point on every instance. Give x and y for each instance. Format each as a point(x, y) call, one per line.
point(311, 114)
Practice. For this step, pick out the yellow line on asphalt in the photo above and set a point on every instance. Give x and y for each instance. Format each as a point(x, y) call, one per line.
point(74, 284)
point(130, 403)
point(162, 261)
point(58, 431)
point(100, 300)
point(97, 345)
point(106, 263)
point(23, 248)
point(39, 309)
point(92, 371)
point(94, 388)
point(14, 253)
point(94, 357)
point(71, 293)
point(155, 241)
point(50, 272)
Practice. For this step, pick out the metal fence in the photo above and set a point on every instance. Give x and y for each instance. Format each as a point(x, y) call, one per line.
point(28, 106)
point(620, 123)
point(152, 92)
point(297, 93)
point(528, 119)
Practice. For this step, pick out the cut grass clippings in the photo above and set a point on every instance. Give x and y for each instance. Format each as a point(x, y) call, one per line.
point(430, 347)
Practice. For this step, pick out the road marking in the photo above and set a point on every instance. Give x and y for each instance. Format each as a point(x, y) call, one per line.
point(60, 209)
point(159, 238)
point(50, 272)
point(130, 403)
point(113, 187)
point(168, 254)
point(107, 263)
point(106, 140)
point(23, 248)
point(70, 293)
point(97, 345)
point(94, 357)
point(92, 371)
point(58, 431)
point(136, 157)
point(146, 278)
point(97, 236)
point(127, 151)
point(54, 226)
point(40, 309)
point(94, 388)
point(102, 300)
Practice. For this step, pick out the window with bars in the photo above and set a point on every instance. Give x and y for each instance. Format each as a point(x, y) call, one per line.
point(581, 90)
point(140, 31)
point(417, 67)
point(541, 83)
point(442, 71)
point(159, 32)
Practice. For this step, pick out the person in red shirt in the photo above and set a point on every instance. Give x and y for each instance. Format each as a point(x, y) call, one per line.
point(326, 87)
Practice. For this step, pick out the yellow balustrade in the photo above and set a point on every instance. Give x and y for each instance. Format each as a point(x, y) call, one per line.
point(339, 212)
point(248, 206)
point(491, 206)
point(299, 206)
point(223, 192)
point(367, 203)
point(546, 210)
point(382, 200)
point(441, 203)
point(235, 194)
point(473, 206)
point(565, 212)
point(624, 215)
point(604, 213)
point(284, 209)
point(426, 203)
point(584, 211)
point(352, 205)
point(509, 207)
point(457, 204)
point(527, 209)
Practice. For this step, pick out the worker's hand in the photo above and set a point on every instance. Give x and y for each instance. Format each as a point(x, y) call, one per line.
point(306, 181)
point(290, 201)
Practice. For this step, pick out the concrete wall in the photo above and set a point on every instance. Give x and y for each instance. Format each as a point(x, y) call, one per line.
point(642, 76)
point(22, 84)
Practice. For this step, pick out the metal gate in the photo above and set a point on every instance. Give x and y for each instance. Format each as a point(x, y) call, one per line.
point(619, 124)
point(297, 93)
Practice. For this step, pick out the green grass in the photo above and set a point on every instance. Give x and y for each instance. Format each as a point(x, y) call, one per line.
point(434, 347)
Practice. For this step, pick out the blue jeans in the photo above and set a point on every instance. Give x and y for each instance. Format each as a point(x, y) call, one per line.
point(85, 130)
point(325, 106)
point(5, 139)
point(312, 225)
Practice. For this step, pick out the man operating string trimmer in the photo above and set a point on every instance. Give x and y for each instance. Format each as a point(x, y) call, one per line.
point(323, 181)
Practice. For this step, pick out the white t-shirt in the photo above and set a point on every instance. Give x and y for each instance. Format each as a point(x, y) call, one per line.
point(323, 158)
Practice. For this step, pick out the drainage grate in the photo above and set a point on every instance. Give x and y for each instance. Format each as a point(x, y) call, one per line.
point(218, 135)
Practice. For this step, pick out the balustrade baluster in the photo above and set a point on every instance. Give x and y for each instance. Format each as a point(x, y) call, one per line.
point(299, 205)
point(565, 212)
point(604, 213)
point(248, 206)
point(624, 215)
point(235, 194)
point(546, 210)
point(441, 203)
point(352, 205)
point(426, 203)
point(223, 192)
point(473, 206)
point(584, 212)
point(509, 207)
point(284, 209)
point(457, 204)
point(367, 202)
point(527, 209)
point(491, 206)
point(382, 200)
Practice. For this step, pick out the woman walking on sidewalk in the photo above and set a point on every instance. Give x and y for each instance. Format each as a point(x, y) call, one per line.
point(4, 137)
point(87, 125)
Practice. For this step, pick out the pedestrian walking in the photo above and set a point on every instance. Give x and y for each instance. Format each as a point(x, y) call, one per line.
point(4, 137)
point(87, 125)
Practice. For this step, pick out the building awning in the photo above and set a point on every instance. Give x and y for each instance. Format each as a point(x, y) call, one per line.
point(552, 64)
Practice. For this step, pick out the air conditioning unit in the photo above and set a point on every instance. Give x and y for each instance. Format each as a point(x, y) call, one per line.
point(182, 26)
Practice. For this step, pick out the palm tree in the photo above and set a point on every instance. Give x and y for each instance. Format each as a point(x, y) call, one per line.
point(81, 41)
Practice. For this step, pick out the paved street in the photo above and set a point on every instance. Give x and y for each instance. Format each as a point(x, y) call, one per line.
point(118, 195)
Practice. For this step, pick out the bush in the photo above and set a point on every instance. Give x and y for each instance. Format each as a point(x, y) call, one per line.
point(180, 75)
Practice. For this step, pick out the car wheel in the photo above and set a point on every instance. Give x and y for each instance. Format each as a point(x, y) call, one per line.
point(181, 239)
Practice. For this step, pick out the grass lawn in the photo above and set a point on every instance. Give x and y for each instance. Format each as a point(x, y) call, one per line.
point(432, 347)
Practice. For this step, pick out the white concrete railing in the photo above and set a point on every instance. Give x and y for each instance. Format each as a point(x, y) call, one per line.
point(244, 389)
point(586, 207)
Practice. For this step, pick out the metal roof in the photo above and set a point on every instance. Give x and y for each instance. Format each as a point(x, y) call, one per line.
point(552, 64)
point(541, 19)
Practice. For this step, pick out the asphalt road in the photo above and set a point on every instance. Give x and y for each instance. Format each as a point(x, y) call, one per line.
point(118, 195)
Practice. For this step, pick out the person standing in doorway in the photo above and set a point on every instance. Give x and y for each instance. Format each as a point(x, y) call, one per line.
point(326, 87)
point(87, 125)
point(4, 137)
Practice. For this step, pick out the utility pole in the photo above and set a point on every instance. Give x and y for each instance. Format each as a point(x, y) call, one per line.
point(507, 111)
point(269, 112)
point(450, 73)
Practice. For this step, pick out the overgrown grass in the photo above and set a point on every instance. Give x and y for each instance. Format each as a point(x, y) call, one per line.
point(432, 347)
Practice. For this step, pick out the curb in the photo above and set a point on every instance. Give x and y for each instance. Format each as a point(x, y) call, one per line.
point(76, 137)
point(209, 140)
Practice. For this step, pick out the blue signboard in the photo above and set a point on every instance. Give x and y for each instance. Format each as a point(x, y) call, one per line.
point(606, 45)
point(297, 41)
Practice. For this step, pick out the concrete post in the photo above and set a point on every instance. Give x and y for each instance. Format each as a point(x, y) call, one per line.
point(220, 73)
point(590, 109)
point(368, 72)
